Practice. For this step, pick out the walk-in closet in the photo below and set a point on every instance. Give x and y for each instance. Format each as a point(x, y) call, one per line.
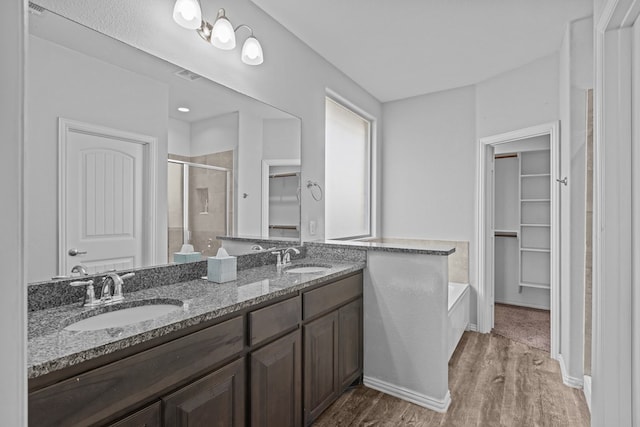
point(522, 219)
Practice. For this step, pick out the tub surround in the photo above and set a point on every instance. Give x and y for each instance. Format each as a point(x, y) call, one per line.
point(425, 247)
point(51, 348)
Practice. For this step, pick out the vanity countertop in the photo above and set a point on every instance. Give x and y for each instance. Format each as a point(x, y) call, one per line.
point(51, 348)
point(415, 246)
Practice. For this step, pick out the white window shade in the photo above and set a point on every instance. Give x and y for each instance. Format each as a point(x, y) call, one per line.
point(347, 173)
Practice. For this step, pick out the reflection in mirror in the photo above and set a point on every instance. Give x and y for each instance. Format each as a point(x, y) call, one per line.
point(135, 178)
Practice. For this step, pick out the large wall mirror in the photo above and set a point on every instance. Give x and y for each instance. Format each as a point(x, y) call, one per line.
point(120, 175)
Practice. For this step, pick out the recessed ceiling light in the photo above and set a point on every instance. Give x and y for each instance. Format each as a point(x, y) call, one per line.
point(183, 109)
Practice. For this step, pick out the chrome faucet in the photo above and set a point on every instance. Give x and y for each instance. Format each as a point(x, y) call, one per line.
point(109, 296)
point(278, 259)
point(81, 269)
point(284, 257)
point(286, 260)
point(90, 295)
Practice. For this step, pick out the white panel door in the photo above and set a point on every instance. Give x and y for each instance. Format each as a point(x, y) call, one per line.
point(104, 201)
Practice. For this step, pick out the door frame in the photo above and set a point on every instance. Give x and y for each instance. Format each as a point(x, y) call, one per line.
point(266, 167)
point(149, 184)
point(485, 254)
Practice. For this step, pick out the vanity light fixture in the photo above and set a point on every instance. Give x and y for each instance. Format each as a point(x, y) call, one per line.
point(221, 33)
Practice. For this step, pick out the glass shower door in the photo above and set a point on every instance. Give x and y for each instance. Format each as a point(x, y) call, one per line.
point(199, 206)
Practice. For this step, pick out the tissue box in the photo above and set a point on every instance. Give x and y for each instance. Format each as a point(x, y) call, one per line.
point(182, 257)
point(222, 269)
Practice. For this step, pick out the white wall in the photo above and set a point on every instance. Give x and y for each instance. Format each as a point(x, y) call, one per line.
point(214, 135)
point(293, 77)
point(526, 96)
point(428, 158)
point(179, 137)
point(250, 180)
point(428, 164)
point(576, 77)
point(13, 398)
point(281, 139)
point(122, 100)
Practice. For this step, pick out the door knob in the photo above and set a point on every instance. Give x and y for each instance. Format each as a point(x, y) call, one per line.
point(74, 252)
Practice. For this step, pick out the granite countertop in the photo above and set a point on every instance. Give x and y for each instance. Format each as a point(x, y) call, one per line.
point(51, 348)
point(414, 246)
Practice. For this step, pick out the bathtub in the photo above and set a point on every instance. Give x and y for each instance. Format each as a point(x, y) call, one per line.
point(458, 310)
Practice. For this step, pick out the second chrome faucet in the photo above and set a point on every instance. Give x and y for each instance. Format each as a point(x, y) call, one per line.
point(284, 257)
point(109, 294)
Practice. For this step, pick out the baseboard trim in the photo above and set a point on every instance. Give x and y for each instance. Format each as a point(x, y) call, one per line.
point(472, 327)
point(438, 405)
point(566, 378)
point(587, 390)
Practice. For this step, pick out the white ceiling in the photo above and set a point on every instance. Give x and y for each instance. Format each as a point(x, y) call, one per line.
point(398, 49)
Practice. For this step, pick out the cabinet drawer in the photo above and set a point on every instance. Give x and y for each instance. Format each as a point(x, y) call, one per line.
point(273, 320)
point(323, 299)
point(147, 417)
point(106, 392)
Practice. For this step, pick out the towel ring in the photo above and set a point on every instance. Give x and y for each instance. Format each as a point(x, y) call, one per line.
point(310, 186)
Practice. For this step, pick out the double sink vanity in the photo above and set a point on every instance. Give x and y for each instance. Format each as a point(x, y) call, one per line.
point(271, 348)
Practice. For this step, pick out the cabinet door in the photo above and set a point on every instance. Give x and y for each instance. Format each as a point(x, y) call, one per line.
point(321, 381)
point(218, 399)
point(147, 417)
point(350, 343)
point(276, 383)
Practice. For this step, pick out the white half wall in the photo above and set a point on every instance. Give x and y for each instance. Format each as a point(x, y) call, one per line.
point(13, 392)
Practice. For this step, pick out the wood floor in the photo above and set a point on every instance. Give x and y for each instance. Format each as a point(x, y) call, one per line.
point(493, 380)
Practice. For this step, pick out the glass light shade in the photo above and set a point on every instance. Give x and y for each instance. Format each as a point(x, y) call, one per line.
point(252, 52)
point(222, 35)
point(187, 14)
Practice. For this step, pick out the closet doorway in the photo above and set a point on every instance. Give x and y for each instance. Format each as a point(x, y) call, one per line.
point(518, 236)
point(522, 245)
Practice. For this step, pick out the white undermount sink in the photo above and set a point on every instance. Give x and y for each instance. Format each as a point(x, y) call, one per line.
point(307, 268)
point(122, 317)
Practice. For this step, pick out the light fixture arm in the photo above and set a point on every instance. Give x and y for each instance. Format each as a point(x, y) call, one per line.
point(244, 26)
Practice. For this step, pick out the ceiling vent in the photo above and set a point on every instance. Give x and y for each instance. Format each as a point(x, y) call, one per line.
point(188, 75)
point(35, 9)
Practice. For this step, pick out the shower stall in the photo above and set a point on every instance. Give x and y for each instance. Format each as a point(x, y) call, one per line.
point(200, 206)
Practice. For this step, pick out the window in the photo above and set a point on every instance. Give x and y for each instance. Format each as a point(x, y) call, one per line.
point(347, 173)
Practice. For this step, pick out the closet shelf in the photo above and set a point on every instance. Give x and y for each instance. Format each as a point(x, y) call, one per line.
point(505, 233)
point(535, 225)
point(534, 285)
point(535, 250)
point(535, 175)
point(535, 200)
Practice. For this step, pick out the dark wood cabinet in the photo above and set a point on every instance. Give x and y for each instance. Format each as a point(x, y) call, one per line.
point(350, 343)
point(218, 399)
point(276, 383)
point(321, 382)
point(151, 416)
point(278, 364)
point(332, 337)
